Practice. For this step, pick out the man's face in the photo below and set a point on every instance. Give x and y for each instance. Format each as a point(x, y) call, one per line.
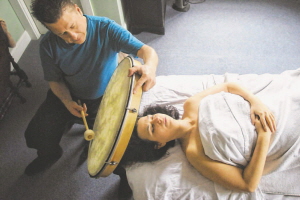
point(71, 26)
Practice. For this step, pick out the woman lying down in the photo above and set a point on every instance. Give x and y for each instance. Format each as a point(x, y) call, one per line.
point(225, 133)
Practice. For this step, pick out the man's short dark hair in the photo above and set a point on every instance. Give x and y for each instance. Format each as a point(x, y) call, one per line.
point(49, 11)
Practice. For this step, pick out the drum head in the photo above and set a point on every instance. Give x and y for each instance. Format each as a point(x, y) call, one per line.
point(111, 121)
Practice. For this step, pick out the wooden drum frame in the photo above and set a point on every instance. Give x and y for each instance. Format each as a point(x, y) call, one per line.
point(114, 123)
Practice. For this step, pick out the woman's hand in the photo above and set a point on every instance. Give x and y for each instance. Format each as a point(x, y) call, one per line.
point(259, 127)
point(11, 41)
point(261, 113)
point(3, 25)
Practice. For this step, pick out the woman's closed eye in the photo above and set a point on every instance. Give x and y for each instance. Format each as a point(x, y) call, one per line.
point(152, 125)
point(152, 129)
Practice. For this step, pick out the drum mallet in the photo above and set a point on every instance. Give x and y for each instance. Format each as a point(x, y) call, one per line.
point(88, 134)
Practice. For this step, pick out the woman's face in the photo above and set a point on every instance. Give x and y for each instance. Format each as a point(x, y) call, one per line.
point(159, 128)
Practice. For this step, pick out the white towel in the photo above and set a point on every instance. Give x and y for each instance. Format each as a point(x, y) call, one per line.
point(226, 131)
point(219, 116)
point(228, 136)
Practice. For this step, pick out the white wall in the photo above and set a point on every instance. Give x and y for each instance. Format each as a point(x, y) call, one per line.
point(109, 8)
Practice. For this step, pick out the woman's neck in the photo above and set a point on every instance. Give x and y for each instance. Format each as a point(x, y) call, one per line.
point(187, 126)
point(192, 129)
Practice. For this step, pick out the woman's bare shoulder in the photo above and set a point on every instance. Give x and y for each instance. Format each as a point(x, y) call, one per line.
point(191, 106)
point(191, 145)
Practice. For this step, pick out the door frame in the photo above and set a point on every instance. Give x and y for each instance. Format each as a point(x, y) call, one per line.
point(25, 18)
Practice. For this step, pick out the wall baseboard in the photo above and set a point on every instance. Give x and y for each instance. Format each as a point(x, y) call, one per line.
point(21, 46)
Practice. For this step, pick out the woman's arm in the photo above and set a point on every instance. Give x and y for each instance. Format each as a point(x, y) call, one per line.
point(11, 41)
point(231, 177)
point(257, 107)
point(253, 172)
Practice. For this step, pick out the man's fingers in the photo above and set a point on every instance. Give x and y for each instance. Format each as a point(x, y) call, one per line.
point(85, 109)
point(145, 83)
point(78, 108)
point(76, 112)
point(139, 84)
point(147, 79)
point(132, 70)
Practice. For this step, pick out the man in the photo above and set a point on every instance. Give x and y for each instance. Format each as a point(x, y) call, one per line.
point(79, 55)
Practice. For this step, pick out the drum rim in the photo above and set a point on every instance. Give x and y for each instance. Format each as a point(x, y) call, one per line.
point(108, 162)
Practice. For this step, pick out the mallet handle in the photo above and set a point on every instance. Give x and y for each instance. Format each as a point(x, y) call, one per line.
point(88, 134)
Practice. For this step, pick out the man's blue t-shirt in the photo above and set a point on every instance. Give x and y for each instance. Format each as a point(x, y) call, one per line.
point(87, 68)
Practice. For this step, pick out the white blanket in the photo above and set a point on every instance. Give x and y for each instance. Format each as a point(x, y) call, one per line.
point(173, 177)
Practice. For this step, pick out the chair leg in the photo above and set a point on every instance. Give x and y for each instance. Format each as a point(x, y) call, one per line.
point(23, 78)
point(14, 90)
point(18, 71)
point(6, 103)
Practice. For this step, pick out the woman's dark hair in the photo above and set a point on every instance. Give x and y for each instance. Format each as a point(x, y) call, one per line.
point(139, 150)
point(49, 11)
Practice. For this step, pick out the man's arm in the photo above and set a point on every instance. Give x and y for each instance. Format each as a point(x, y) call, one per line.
point(63, 93)
point(148, 70)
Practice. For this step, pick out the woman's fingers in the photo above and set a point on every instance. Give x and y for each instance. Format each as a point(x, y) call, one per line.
point(268, 121)
point(272, 123)
point(253, 118)
point(263, 122)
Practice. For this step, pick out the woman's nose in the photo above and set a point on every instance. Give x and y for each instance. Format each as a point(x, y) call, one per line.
point(157, 119)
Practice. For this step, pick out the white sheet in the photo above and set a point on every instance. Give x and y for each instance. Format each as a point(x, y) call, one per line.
point(172, 177)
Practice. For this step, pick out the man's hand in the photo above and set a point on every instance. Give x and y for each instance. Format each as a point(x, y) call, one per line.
point(63, 93)
point(147, 79)
point(75, 109)
point(146, 71)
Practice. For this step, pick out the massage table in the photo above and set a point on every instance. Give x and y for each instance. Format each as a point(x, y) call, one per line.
point(172, 177)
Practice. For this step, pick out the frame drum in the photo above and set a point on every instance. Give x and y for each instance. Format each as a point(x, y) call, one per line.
point(114, 122)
